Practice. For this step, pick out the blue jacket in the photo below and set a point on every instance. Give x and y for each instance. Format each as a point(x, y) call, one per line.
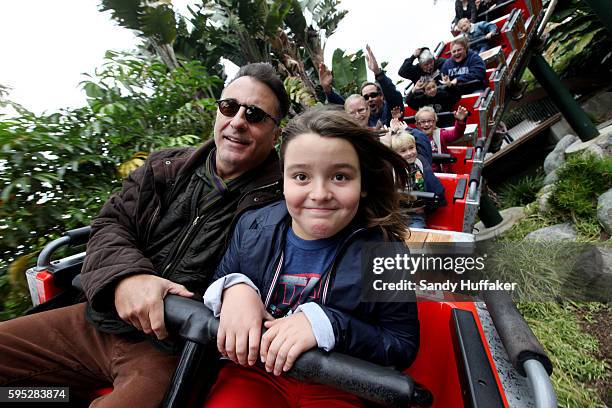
point(432, 185)
point(470, 69)
point(383, 333)
point(392, 97)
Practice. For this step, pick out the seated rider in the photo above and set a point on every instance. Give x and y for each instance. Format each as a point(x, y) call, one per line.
point(464, 9)
point(296, 266)
point(356, 106)
point(380, 96)
point(465, 70)
point(426, 119)
point(420, 178)
point(479, 34)
point(428, 66)
point(427, 93)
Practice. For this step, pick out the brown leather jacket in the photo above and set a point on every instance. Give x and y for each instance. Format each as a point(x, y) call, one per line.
point(124, 229)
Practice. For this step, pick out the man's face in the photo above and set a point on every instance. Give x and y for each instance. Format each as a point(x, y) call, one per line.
point(242, 146)
point(431, 89)
point(426, 123)
point(464, 26)
point(427, 66)
point(359, 110)
point(458, 53)
point(373, 97)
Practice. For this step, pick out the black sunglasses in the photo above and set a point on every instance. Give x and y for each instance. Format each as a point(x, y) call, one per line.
point(371, 95)
point(252, 114)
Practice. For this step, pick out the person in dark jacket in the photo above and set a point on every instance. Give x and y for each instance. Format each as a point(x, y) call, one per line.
point(427, 93)
point(381, 96)
point(297, 266)
point(163, 233)
point(465, 71)
point(420, 178)
point(464, 9)
point(427, 67)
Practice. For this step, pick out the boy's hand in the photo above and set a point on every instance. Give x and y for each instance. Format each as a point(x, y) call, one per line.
point(285, 340)
point(242, 312)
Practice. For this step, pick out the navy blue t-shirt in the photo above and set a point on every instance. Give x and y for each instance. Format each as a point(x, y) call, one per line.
point(300, 280)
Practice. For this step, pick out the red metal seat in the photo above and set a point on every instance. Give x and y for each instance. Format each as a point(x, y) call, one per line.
point(465, 159)
point(435, 366)
point(450, 217)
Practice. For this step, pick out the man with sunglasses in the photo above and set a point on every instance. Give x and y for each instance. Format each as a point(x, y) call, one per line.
point(381, 96)
point(163, 233)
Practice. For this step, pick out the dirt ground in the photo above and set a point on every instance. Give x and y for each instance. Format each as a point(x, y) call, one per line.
point(601, 329)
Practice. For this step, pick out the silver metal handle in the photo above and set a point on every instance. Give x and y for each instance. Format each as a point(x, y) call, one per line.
point(543, 391)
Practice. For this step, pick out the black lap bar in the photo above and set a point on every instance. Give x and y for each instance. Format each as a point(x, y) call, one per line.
point(518, 339)
point(442, 158)
point(377, 384)
point(79, 236)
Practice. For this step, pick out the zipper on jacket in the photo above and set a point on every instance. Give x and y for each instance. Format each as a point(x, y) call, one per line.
point(332, 268)
point(185, 232)
point(181, 244)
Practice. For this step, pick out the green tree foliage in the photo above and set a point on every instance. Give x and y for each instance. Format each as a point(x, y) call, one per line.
point(290, 35)
point(578, 42)
point(349, 71)
point(56, 170)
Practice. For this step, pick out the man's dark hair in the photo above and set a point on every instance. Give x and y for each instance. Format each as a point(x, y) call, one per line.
point(265, 73)
point(366, 83)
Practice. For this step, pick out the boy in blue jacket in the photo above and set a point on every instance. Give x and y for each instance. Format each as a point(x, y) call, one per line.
point(297, 265)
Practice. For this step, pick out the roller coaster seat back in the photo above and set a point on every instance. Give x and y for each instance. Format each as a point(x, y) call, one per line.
point(438, 364)
point(451, 216)
point(464, 156)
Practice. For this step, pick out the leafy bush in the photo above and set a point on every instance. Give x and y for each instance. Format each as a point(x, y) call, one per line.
point(582, 179)
point(521, 192)
point(56, 170)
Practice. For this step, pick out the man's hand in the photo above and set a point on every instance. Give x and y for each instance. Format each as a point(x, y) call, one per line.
point(285, 340)
point(371, 60)
point(139, 300)
point(242, 313)
point(417, 52)
point(461, 113)
point(489, 36)
point(325, 78)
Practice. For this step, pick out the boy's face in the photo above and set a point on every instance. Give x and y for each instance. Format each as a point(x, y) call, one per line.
point(464, 26)
point(408, 151)
point(322, 183)
point(426, 122)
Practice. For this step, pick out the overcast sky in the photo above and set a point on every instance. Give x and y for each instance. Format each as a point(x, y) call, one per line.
point(47, 45)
